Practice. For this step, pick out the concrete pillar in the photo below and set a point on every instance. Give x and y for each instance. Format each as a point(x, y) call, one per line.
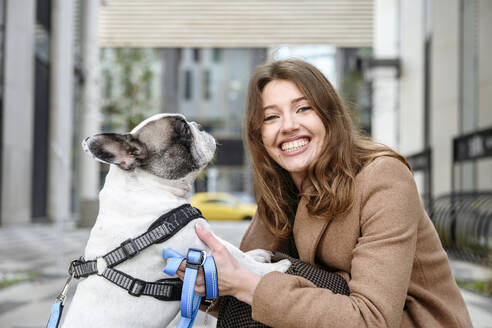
point(90, 116)
point(61, 113)
point(170, 86)
point(411, 90)
point(385, 83)
point(18, 114)
point(484, 166)
point(469, 71)
point(212, 176)
point(411, 122)
point(445, 90)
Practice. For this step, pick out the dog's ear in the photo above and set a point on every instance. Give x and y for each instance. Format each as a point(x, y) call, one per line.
point(114, 148)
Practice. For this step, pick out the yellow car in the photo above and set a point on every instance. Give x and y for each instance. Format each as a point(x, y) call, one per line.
point(222, 206)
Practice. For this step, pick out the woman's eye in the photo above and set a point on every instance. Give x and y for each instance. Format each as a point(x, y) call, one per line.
point(269, 118)
point(303, 109)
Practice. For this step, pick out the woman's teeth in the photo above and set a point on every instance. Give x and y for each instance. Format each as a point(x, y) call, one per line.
point(294, 145)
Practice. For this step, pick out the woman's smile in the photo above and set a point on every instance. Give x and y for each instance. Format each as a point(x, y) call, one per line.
point(295, 146)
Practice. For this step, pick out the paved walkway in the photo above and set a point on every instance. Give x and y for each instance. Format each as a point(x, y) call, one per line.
point(47, 250)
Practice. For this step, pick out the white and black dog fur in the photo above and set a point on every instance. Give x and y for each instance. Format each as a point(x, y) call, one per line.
point(152, 169)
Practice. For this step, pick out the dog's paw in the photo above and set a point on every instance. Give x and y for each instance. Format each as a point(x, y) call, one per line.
point(281, 266)
point(261, 269)
point(260, 255)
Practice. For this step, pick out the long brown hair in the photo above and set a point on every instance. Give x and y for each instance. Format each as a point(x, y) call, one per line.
point(332, 176)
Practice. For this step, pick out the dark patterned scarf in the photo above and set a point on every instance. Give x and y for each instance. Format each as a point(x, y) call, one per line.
point(234, 313)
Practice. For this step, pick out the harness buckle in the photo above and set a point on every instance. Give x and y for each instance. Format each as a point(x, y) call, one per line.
point(76, 268)
point(137, 287)
point(71, 267)
point(129, 248)
point(195, 264)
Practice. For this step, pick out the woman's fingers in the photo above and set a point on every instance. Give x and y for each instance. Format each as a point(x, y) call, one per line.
point(209, 239)
point(218, 250)
point(200, 280)
point(200, 283)
point(200, 290)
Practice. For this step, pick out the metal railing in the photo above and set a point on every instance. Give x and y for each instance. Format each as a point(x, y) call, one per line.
point(464, 224)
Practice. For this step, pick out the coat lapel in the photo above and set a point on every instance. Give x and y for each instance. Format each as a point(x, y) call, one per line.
point(307, 232)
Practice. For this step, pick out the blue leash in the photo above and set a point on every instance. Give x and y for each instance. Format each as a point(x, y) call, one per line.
point(190, 301)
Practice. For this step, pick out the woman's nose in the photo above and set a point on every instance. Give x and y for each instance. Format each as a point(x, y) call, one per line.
point(289, 123)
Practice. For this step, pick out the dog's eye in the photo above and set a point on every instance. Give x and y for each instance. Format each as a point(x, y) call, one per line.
point(199, 127)
point(185, 129)
point(181, 127)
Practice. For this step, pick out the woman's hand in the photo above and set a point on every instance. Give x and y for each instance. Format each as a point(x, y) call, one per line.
point(234, 279)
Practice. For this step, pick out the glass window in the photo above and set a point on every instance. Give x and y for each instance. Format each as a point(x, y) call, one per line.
point(196, 55)
point(216, 55)
point(206, 84)
point(187, 85)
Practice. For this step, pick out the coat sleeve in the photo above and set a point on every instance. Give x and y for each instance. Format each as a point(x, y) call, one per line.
point(381, 264)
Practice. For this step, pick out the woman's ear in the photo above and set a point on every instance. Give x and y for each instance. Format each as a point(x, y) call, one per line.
point(114, 148)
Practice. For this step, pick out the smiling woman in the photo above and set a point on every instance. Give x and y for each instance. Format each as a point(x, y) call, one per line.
point(342, 202)
point(290, 103)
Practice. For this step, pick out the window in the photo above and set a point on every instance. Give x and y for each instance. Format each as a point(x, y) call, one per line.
point(196, 55)
point(187, 85)
point(206, 84)
point(216, 55)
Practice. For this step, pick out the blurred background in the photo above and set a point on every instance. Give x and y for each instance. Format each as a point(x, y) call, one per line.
point(415, 74)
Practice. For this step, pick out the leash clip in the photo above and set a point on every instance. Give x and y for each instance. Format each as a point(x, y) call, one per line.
point(57, 307)
point(63, 294)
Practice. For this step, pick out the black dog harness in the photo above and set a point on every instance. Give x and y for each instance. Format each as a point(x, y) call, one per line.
point(162, 229)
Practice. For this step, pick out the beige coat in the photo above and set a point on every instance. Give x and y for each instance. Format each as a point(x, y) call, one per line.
point(387, 249)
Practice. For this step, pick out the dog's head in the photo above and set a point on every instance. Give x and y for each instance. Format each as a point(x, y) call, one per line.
point(165, 145)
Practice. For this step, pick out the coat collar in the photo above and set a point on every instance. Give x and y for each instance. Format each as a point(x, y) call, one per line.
point(307, 232)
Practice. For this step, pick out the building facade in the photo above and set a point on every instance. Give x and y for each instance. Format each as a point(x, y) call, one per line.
point(43, 92)
point(432, 80)
point(52, 95)
point(209, 49)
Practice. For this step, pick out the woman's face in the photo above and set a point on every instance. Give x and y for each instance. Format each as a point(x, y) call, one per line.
point(292, 132)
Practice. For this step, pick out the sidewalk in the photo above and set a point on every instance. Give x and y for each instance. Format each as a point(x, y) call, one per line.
point(46, 251)
point(480, 307)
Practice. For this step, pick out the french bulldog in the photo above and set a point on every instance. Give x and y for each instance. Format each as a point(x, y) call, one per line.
point(152, 169)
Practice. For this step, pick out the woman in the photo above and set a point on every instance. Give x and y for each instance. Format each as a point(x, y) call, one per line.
point(349, 204)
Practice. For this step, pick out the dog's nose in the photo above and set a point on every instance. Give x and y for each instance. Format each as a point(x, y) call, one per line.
point(198, 126)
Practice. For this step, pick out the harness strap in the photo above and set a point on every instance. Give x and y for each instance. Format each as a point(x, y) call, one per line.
point(164, 289)
point(162, 229)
